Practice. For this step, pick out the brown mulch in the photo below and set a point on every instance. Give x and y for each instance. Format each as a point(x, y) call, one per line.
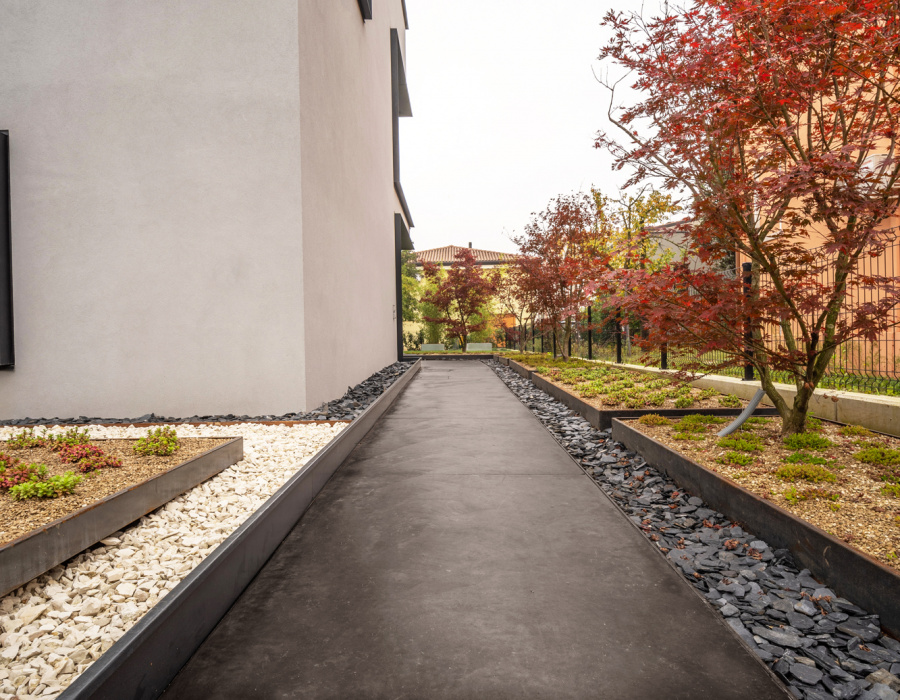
point(852, 508)
point(18, 518)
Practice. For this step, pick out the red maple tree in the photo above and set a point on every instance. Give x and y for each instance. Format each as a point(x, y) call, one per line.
point(460, 295)
point(780, 120)
point(559, 256)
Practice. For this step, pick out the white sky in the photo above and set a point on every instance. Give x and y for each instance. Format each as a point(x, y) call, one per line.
point(505, 109)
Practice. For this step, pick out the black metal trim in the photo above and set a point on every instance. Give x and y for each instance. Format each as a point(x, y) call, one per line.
point(400, 107)
point(365, 7)
point(7, 344)
point(399, 229)
point(405, 17)
point(149, 655)
point(847, 571)
point(42, 549)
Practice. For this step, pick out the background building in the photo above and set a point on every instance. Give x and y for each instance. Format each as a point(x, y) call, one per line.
point(204, 197)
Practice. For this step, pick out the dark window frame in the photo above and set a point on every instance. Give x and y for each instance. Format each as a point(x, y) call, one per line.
point(400, 107)
point(7, 346)
point(365, 7)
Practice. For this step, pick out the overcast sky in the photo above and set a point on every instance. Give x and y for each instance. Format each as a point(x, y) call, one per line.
point(505, 109)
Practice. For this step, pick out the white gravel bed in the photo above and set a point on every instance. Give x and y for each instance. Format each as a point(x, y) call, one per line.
point(55, 626)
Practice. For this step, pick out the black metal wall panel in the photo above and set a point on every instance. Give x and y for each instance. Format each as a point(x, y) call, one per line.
point(7, 354)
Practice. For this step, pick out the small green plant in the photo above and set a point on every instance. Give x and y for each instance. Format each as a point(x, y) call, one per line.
point(26, 440)
point(7, 462)
point(684, 401)
point(881, 456)
point(805, 472)
point(688, 436)
point(807, 441)
point(53, 487)
point(756, 420)
point(707, 394)
point(807, 458)
point(73, 436)
point(856, 431)
point(835, 507)
point(736, 458)
point(729, 401)
point(160, 442)
point(19, 474)
point(746, 442)
point(88, 458)
point(892, 490)
point(793, 496)
point(813, 424)
point(654, 419)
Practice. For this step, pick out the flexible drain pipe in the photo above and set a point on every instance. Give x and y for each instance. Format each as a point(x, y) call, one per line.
point(745, 414)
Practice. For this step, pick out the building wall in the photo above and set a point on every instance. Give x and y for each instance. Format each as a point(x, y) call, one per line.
point(156, 206)
point(348, 195)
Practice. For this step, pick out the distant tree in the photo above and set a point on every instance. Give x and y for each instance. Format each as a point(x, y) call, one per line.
point(459, 295)
point(410, 285)
point(560, 254)
point(780, 119)
point(514, 299)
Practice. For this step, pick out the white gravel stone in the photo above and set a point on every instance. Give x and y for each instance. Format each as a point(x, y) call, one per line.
point(55, 626)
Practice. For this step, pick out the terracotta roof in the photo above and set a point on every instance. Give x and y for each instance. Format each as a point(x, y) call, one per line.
point(446, 255)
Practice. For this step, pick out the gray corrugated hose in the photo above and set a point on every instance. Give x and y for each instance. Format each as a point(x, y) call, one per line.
point(745, 414)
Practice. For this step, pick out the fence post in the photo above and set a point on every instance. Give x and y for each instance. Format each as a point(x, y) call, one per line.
point(590, 337)
point(532, 334)
point(618, 337)
point(542, 341)
point(554, 343)
point(664, 356)
point(574, 327)
point(747, 268)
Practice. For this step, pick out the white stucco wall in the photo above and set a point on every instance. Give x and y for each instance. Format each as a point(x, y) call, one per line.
point(156, 207)
point(348, 194)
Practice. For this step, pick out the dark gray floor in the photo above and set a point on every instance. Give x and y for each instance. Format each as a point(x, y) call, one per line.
point(460, 553)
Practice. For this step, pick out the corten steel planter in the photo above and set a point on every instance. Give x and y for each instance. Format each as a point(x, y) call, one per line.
point(847, 571)
point(43, 548)
point(148, 656)
point(601, 419)
point(459, 356)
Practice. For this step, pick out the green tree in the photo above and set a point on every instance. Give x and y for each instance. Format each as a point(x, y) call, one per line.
point(411, 286)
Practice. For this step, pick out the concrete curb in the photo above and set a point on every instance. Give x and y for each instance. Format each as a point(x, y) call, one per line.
point(602, 420)
point(43, 548)
point(147, 657)
point(466, 356)
point(849, 572)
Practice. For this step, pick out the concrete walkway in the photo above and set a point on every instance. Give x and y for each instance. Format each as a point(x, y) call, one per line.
point(460, 553)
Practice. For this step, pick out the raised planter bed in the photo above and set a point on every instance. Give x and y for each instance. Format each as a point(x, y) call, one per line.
point(849, 572)
point(43, 548)
point(458, 356)
point(149, 655)
point(602, 418)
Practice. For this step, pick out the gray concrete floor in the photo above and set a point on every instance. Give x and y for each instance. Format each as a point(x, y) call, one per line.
point(460, 553)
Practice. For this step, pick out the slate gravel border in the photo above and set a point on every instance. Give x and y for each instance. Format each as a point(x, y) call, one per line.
point(348, 407)
point(820, 645)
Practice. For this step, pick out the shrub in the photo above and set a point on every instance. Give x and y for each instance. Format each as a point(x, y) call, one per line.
point(26, 440)
point(729, 401)
point(653, 419)
point(805, 472)
point(160, 442)
point(747, 442)
point(736, 458)
point(685, 401)
point(51, 488)
point(656, 398)
point(856, 431)
point(19, 474)
point(813, 424)
point(807, 441)
point(881, 456)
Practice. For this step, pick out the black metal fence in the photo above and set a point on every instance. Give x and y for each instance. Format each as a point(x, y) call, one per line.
point(868, 366)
